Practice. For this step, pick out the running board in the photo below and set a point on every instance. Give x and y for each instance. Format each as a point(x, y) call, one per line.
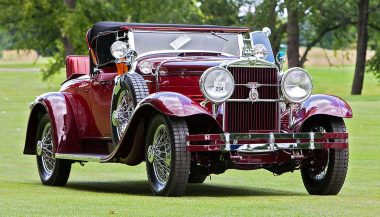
point(99, 158)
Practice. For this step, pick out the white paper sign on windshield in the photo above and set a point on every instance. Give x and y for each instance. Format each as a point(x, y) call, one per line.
point(180, 41)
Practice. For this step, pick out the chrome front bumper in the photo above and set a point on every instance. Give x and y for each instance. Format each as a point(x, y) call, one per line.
point(266, 142)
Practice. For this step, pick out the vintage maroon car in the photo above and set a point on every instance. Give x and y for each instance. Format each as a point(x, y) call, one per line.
point(190, 101)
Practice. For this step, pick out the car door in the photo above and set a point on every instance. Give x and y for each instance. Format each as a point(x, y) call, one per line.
point(100, 96)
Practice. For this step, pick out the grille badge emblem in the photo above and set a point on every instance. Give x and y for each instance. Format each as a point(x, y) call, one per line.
point(253, 93)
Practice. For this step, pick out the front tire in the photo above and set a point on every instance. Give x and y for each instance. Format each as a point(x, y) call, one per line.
point(167, 161)
point(52, 171)
point(326, 172)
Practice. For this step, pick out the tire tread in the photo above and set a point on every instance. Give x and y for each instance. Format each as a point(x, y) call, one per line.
point(336, 175)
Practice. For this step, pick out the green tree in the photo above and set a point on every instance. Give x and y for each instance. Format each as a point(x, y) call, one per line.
point(5, 41)
point(361, 51)
point(220, 12)
point(58, 28)
point(313, 21)
point(267, 14)
point(374, 38)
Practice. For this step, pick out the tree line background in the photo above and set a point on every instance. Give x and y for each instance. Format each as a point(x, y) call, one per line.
point(57, 27)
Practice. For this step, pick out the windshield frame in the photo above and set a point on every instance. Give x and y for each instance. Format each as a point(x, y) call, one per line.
point(132, 42)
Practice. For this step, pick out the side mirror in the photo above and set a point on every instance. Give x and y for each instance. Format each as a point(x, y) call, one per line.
point(281, 59)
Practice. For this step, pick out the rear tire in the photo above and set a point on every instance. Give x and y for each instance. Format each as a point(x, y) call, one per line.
point(166, 157)
point(52, 171)
point(326, 172)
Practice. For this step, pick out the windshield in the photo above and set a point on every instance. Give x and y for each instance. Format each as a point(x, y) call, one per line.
point(147, 41)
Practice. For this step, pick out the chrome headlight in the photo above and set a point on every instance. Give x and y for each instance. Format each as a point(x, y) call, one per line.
point(119, 49)
point(296, 85)
point(260, 51)
point(145, 67)
point(217, 84)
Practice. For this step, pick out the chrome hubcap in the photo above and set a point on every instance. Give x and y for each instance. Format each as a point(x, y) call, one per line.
point(123, 113)
point(159, 154)
point(45, 149)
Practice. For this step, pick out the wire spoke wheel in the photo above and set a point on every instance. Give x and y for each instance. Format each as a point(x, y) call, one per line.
point(52, 171)
point(123, 113)
point(161, 151)
point(45, 149)
point(167, 161)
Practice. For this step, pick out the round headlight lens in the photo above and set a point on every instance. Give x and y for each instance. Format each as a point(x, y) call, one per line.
point(217, 84)
point(296, 85)
point(119, 49)
point(260, 51)
point(145, 67)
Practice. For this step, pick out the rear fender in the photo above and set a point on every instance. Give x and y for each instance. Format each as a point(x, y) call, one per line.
point(131, 148)
point(321, 104)
point(65, 133)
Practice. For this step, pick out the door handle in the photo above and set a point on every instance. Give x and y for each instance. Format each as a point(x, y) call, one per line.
point(83, 90)
point(102, 83)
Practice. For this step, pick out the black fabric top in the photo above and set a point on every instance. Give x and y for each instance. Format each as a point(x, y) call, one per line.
point(114, 26)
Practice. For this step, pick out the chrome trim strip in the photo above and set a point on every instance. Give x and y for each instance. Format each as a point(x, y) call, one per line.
point(312, 145)
point(81, 157)
point(271, 141)
point(301, 140)
point(259, 85)
point(278, 104)
point(131, 40)
point(241, 44)
point(227, 141)
point(224, 117)
point(269, 147)
point(249, 62)
point(182, 51)
point(257, 100)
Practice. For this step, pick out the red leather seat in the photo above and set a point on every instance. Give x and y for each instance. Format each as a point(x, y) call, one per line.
point(77, 65)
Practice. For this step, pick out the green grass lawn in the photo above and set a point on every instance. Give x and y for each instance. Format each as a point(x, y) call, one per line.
point(119, 190)
point(24, 64)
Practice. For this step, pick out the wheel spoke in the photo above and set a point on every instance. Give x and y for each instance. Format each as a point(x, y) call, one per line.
point(47, 156)
point(123, 112)
point(162, 154)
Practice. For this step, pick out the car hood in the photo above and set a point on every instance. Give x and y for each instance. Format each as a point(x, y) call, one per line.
point(184, 63)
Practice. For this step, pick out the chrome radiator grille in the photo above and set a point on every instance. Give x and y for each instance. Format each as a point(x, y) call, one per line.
point(244, 117)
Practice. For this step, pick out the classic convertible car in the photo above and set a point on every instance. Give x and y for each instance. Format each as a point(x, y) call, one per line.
point(190, 101)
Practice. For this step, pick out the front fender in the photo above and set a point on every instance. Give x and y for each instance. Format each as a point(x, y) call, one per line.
point(321, 104)
point(130, 149)
point(173, 104)
point(65, 133)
